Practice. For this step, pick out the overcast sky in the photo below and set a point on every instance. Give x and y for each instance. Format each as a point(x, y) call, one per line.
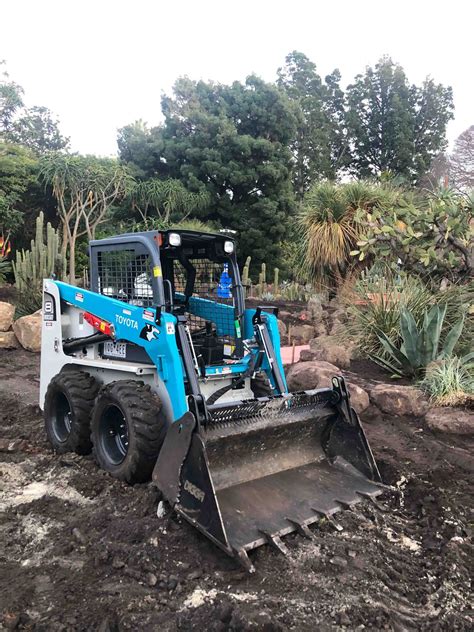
point(102, 64)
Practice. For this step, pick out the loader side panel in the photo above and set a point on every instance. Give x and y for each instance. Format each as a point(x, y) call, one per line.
point(131, 324)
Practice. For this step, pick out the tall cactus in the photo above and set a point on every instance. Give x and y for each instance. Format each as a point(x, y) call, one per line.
point(276, 273)
point(41, 261)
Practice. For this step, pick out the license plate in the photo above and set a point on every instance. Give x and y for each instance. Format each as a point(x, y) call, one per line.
point(115, 349)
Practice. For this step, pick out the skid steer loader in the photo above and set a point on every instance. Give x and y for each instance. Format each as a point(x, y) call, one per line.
point(161, 370)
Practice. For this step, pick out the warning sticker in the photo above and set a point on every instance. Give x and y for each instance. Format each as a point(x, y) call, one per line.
point(170, 328)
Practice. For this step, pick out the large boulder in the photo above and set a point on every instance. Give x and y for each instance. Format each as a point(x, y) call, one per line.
point(28, 331)
point(282, 328)
point(331, 349)
point(303, 332)
point(451, 420)
point(8, 340)
point(394, 399)
point(304, 376)
point(7, 310)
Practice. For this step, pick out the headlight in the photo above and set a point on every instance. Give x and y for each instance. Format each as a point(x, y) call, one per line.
point(174, 239)
point(229, 247)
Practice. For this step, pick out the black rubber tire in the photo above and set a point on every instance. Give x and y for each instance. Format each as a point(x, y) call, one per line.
point(67, 411)
point(128, 430)
point(260, 385)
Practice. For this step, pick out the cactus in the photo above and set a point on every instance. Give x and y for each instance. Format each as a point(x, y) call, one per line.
point(276, 273)
point(263, 283)
point(43, 260)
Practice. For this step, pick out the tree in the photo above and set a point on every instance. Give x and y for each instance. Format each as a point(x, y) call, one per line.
point(462, 161)
point(230, 141)
point(85, 187)
point(38, 130)
point(18, 172)
point(32, 127)
point(11, 100)
point(319, 146)
point(394, 126)
point(163, 202)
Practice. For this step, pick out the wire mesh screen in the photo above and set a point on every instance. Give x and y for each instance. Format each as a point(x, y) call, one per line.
point(211, 301)
point(124, 275)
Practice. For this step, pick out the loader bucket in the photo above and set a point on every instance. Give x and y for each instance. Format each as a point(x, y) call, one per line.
point(263, 468)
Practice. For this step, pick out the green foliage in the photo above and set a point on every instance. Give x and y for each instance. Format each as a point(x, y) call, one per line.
point(85, 188)
point(420, 346)
point(18, 172)
point(230, 141)
point(433, 237)
point(33, 127)
point(450, 382)
point(394, 126)
point(32, 266)
point(164, 202)
point(319, 146)
point(5, 268)
point(374, 302)
point(332, 218)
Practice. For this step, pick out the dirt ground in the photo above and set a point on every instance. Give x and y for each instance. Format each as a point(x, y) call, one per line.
point(81, 551)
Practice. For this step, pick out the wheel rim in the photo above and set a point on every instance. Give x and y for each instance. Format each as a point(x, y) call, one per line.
point(114, 434)
point(62, 418)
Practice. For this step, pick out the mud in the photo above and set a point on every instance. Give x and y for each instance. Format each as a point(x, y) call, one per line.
point(81, 551)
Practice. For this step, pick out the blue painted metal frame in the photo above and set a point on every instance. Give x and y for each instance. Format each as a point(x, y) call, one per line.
point(221, 314)
point(129, 321)
point(272, 323)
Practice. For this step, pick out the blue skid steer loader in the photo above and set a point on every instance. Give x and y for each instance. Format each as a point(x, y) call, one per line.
point(163, 373)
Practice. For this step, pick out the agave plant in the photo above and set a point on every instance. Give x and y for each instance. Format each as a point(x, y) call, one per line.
point(420, 346)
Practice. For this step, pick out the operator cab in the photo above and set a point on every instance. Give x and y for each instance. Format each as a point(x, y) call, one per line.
point(186, 273)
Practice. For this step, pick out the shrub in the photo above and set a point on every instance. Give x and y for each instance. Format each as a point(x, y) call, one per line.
point(374, 303)
point(5, 268)
point(450, 382)
point(420, 346)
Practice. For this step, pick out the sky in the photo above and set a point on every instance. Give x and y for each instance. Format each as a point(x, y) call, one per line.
point(99, 65)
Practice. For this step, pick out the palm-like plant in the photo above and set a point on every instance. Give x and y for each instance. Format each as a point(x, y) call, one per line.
point(332, 219)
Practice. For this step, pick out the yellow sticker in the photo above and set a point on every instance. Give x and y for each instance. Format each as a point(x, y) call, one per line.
point(157, 271)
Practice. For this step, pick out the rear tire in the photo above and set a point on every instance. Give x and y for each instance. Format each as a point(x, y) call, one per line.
point(67, 411)
point(128, 429)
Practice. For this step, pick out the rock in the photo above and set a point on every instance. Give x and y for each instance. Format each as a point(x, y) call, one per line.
point(306, 355)
point(8, 340)
point(304, 332)
point(7, 310)
point(28, 331)
point(118, 563)
point(313, 374)
point(338, 561)
point(315, 308)
point(399, 400)
point(151, 579)
point(7, 445)
point(320, 329)
point(330, 349)
point(282, 328)
point(451, 420)
point(195, 574)
point(79, 536)
point(359, 398)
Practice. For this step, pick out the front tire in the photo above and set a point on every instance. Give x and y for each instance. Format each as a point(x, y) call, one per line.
point(128, 429)
point(67, 411)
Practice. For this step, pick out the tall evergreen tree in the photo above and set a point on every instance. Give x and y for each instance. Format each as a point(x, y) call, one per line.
point(394, 126)
point(319, 146)
point(232, 142)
